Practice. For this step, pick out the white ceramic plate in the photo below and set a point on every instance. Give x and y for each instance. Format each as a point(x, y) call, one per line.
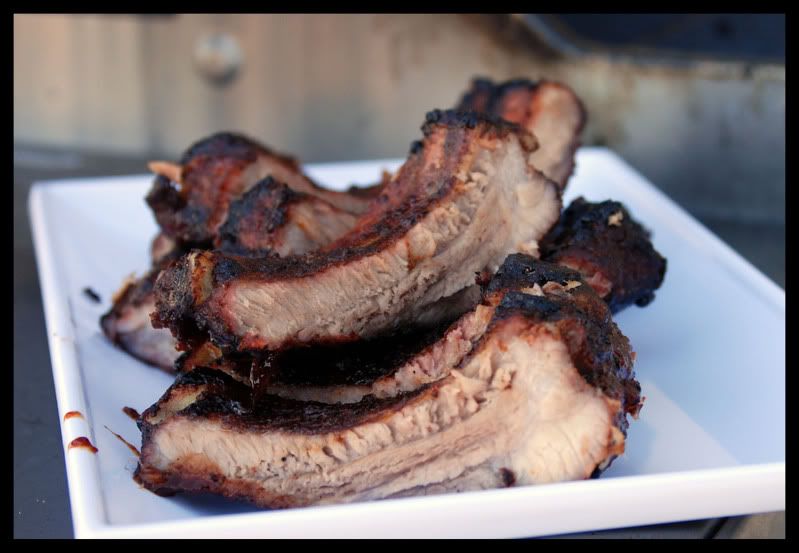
point(711, 361)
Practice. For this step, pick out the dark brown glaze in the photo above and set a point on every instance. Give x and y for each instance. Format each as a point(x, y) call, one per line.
point(508, 477)
point(423, 182)
point(253, 218)
point(567, 308)
point(358, 363)
point(613, 252)
point(218, 169)
point(189, 478)
point(135, 293)
point(241, 366)
point(130, 446)
point(523, 271)
point(73, 415)
point(530, 104)
point(92, 295)
point(600, 352)
point(211, 175)
point(273, 219)
point(486, 96)
point(567, 301)
point(131, 412)
point(236, 407)
point(82, 442)
point(351, 364)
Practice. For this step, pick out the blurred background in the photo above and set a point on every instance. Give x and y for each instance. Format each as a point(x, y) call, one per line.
point(694, 102)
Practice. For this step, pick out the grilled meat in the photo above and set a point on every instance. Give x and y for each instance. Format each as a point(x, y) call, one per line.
point(191, 200)
point(550, 110)
point(610, 249)
point(271, 218)
point(539, 394)
point(127, 324)
point(465, 198)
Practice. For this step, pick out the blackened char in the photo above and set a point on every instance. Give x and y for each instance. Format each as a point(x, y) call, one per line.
point(271, 218)
point(391, 365)
point(550, 110)
point(218, 169)
point(541, 396)
point(613, 252)
point(422, 240)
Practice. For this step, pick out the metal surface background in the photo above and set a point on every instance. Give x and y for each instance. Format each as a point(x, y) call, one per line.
point(710, 132)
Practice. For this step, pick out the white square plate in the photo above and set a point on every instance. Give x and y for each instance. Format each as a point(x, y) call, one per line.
point(711, 361)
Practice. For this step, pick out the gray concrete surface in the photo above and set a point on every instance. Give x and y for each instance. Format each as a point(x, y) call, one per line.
point(41, 504)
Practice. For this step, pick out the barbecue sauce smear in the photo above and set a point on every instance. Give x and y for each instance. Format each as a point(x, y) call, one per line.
point(83, 442)
point(131, 412)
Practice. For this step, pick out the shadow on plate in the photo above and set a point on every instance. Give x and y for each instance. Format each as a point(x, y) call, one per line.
point(207, 504)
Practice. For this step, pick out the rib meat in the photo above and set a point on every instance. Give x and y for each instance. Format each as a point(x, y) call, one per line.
point(465, 198)
point(540, 395)
point(611, 250)
point(191, 200)
point(550, 110)
point(127, 324)
point(269, 219)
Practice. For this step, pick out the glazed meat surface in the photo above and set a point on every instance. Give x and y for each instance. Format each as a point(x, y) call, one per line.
point(190, 200)
point(466, 197)
point(550, 110)
point(610, 249)
point(269, 219)
point(540, 394)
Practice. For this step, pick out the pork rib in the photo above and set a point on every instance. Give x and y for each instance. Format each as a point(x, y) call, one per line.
point(465, 198)
point(269, 219)
point(127, 324)
point(191, 200)
point(611, 250)
point(550, 110)
point(540, 396)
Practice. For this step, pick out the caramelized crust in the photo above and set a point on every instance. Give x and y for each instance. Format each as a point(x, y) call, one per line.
point(415, 232)
point(397, 363)
point(610, 249)
point(273, 219)
point(550, 110)
point(217, 170)
point(551, 366)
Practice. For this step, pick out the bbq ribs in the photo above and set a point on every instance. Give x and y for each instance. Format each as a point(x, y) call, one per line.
point(466, 197)
point(538, 393)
